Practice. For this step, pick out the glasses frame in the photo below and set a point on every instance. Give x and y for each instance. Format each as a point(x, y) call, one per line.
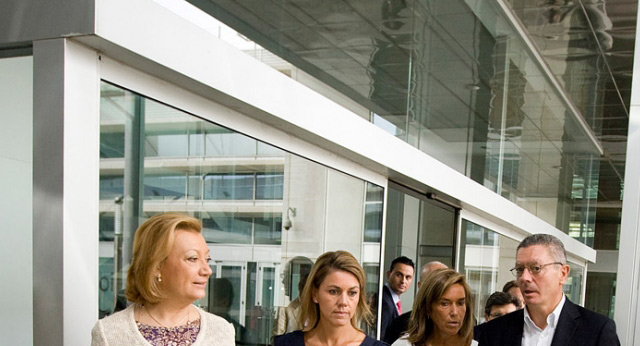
point(534, 269)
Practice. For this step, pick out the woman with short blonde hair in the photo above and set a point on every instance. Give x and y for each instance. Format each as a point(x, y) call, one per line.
point(168, 272)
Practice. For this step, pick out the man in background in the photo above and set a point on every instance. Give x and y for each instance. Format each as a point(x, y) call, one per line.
point(500, 304)
point(512, 288)
point(399, 278)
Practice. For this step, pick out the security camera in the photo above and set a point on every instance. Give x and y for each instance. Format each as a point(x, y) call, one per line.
point(287, 225)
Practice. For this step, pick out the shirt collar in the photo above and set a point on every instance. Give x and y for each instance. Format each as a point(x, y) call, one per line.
point(552, 319)
point(396, 298)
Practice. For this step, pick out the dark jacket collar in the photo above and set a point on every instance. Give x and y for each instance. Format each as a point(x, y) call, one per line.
point(567, 324)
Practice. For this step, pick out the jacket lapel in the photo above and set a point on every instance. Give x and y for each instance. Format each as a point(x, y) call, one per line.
point(515, 336)
point(567, 325)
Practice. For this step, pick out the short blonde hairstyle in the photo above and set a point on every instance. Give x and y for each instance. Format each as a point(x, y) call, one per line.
point(326, 264)
point(431, 290)
point(152, 244)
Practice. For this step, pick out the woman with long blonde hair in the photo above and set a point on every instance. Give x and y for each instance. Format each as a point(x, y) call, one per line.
point(332, 305)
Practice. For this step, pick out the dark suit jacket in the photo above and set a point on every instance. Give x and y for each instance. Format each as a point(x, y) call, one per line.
point(389, 311)
point(577, 326)
point(396, 328)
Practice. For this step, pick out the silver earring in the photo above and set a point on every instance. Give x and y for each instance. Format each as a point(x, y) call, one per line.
point(159, 278)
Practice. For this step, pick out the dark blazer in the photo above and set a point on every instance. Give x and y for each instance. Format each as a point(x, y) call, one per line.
point(396, 328)
point(389, 310)
point(577, 326)
point(296, 338)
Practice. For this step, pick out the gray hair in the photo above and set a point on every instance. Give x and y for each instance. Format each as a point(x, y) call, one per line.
point(553, 244)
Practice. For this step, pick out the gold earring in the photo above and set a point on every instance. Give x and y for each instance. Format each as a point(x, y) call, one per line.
point(159, 278)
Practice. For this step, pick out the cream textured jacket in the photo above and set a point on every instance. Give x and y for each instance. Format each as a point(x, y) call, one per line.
point(120, 329)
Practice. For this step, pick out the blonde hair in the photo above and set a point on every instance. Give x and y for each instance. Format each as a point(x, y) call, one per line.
point(326, 264)
point(152, 244)
point(432, 289)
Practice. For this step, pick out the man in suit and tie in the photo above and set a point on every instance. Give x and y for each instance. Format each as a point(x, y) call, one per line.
point(548, 318)
point(399, 279)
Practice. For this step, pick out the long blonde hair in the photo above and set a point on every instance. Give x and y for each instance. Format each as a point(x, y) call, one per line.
point(325, 264)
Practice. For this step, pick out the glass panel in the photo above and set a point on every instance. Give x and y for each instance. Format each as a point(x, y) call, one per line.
point(164, 186)
point(268, 230)
point(268, 285)
point(601, 292)
point(420, 229)
point(218, 228)
point(111, 186)
point(269, 186)
point(228, 186)
point(155, 158)
point(573, 287)
point(373, 213)
point(485, 259)
point(456, 80)
point(107, 296)
point(18, 193)
point(373, 276)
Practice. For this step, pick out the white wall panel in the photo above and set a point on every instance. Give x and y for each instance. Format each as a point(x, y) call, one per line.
point(16, 136)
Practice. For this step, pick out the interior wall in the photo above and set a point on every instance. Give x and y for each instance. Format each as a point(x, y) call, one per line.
point(16, 160)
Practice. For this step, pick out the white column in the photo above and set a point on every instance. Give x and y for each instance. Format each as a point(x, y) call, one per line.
point(66, 132)
point(627, 312)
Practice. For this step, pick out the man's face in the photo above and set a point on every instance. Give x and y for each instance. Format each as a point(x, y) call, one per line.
point(400, 278)
point(515, 291)
point(499, 310)
point(545, 288)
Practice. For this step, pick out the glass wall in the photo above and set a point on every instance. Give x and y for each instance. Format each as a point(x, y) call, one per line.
point(485, 258)
point(16, 204)
point(601, 291)
point(419, 228)
point(573, 287)
point(267, 214)
point(453, 78)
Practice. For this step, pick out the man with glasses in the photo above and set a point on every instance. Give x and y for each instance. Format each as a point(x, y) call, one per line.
point(549, 318)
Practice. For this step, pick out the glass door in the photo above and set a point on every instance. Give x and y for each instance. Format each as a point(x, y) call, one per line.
point(420, 228)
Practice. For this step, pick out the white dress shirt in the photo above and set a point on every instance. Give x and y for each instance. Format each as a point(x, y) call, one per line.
point(534, 336)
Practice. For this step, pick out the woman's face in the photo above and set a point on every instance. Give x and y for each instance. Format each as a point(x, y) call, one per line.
point(337, 298)
point(448, 312)
point(186, 271)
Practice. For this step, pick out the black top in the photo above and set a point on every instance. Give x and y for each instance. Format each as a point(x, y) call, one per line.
point(397, 327)
point(296, 338)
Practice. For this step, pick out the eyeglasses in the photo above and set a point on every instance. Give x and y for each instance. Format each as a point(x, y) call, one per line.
point(534, 269)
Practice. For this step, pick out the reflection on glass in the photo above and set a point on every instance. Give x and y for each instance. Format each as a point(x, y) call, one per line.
point(573, 287)
point(456, 80)
point(600, 293)
point(485, 259)
point(419, 228)
point(241, 190)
